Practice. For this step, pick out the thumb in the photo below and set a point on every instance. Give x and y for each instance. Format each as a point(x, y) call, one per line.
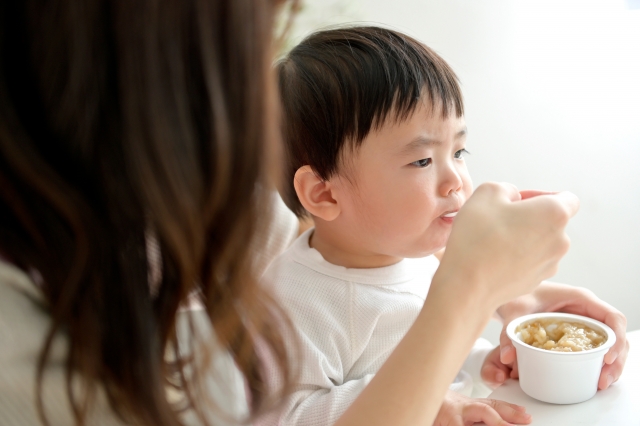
point(569, 201)
point(507, 351)
point(566, 203)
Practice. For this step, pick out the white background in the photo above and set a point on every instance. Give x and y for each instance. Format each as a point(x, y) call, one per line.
point(552, 97)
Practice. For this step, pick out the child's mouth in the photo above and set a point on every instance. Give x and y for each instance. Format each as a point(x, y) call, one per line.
point(448, 217)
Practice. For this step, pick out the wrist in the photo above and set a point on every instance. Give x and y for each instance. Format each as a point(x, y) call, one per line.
point(466, 289)
point(458, 296)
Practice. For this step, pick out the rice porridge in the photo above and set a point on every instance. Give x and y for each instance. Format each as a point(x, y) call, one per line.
point(560, 336)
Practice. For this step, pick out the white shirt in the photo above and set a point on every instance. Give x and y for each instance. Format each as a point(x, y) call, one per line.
point(348, 321)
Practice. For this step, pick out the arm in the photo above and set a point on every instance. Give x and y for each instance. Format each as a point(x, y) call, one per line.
point(498, 249)
point(555, 297)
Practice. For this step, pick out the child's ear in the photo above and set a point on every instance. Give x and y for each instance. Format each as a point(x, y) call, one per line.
point(315, 194)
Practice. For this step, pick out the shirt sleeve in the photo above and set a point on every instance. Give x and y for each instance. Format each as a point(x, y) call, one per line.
point(321, 344)
point(312, 405)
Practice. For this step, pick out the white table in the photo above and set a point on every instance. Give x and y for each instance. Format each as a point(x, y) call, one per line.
point(617, 406)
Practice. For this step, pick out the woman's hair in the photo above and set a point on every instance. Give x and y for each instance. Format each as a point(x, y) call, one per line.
point(339, 84)
point(124, 119)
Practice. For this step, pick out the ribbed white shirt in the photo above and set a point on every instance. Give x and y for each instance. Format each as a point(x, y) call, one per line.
point(348, 322)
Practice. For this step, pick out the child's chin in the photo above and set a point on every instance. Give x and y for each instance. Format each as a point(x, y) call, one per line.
point(427, 245)
point(424, 253)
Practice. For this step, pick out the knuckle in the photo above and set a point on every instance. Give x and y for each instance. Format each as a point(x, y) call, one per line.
point(565, 244)
point(489, 188)
point(587, 293)
point(622, 319)
point(556, 213)
point(559, 216)
point(551, 270)
point(488, 411)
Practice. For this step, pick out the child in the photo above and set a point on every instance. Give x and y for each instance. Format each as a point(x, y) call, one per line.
point(375, 143)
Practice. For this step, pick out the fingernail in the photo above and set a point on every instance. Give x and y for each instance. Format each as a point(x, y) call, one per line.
point(500, 377)
point(609, 380)
point(503, 351)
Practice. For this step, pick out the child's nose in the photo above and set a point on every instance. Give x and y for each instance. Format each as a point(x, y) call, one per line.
point(450, 181)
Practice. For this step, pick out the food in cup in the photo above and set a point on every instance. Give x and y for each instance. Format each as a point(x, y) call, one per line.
point(558, 335)
point(559, 377)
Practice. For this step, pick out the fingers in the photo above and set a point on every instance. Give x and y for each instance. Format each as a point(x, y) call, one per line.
point(584, 302)
point(493, 371)
point(495, 413)
point(618, 323)
point(611, 372)
point(507, 351)
point(508, 354)
point(502, 189)
point(511, 191)
point(568, 201)
point(558, 207)
point(495, 374)
point(512, 413)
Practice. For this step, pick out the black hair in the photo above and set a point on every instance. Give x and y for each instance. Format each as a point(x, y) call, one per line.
point(339, 84)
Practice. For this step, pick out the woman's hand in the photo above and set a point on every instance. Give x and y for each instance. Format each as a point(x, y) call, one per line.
point(502, 245)
point(554, 297)
point(506, 241)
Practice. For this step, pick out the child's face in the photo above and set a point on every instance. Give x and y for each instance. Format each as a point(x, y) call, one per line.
point(400, 184)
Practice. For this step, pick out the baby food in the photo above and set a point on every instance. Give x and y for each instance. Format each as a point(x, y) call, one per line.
point(561, 336)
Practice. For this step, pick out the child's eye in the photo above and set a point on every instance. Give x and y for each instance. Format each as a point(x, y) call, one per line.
point(422, 163)
point(460, 153)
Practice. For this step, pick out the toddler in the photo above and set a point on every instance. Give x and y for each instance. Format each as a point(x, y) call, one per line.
point(375, 142)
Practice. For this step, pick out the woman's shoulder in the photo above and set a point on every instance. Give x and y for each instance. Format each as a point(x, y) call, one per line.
point(14, 280)
point(23, 317)
point(24, 324)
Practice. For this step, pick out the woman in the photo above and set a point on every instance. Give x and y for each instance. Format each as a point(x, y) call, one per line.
point(124, 122)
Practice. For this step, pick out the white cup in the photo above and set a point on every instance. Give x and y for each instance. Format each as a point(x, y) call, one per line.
point(560, 377)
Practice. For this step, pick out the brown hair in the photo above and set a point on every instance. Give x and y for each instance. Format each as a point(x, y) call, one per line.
point(120, 117)
point(339, 84)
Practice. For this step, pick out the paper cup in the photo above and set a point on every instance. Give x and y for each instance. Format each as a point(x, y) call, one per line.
point(560, 377)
